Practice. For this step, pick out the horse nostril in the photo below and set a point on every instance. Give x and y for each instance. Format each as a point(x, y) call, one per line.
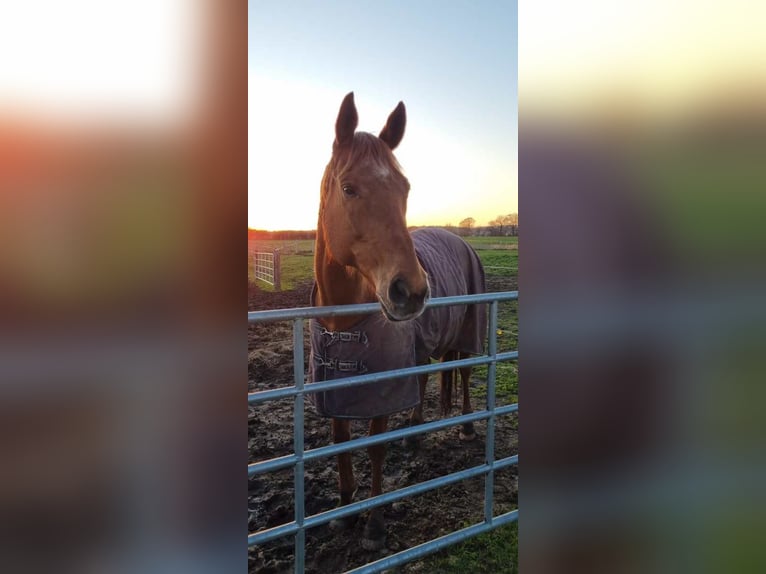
point(398, 292)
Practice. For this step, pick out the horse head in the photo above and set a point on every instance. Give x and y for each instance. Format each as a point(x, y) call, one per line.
point(363, 213)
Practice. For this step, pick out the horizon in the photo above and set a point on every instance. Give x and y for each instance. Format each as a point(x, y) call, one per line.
point(313, 230)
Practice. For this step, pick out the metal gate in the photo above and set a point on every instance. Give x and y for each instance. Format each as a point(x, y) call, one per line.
point(300, 456)
point(267, 267)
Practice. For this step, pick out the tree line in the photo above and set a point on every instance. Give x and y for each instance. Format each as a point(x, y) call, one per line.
point(501, 225)
point(286, 235)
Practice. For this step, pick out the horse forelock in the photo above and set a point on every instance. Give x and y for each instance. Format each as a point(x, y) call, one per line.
point(366, 149)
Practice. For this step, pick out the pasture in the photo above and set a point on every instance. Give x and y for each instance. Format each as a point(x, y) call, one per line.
point(413, 520)
point(499, 255)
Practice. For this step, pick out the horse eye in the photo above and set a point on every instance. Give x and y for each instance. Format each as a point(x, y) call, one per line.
point(349, 191)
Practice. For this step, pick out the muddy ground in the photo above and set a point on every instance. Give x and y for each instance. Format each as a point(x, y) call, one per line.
point(409, 522)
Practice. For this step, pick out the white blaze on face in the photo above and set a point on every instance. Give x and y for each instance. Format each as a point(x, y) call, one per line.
point(380, 171)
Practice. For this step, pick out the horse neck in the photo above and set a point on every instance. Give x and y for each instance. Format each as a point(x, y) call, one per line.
point(338, 285)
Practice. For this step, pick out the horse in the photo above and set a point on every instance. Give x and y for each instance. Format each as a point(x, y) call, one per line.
point(365, 253)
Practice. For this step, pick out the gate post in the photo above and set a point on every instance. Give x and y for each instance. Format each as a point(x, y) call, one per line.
point(277, 271)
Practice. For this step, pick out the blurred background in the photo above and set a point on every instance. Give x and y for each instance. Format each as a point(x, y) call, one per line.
point(641, 183)
point(123, 181)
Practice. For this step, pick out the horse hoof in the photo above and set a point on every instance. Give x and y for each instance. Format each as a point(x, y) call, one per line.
point(466, 432)
point(340, 524)
point(368, 544)
point(467, 437)
point(374, 536)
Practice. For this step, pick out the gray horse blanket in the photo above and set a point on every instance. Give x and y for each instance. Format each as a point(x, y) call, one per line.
point(375, 344)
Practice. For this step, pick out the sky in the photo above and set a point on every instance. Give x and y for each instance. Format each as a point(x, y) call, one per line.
point(453, 64)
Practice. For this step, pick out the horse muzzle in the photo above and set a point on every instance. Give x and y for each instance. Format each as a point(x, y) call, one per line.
point(403, 303)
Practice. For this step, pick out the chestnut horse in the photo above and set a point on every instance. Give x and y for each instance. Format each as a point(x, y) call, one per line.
point(364, 253)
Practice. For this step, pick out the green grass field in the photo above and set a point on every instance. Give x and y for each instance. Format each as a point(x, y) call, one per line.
point(499, 255)
point(297, 260)
point(495, 551)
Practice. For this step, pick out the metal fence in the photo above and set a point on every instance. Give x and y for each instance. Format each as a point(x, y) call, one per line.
point(297, 460)
point(267, 267)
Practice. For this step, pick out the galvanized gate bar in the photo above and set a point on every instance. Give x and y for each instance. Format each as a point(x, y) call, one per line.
point(364, 442)
point(263, 264)
point(300, 536)
point(266, 268)
point(404, 492)
point(362, 308)
point(284, 392)
point(386, 498)
point(489, 442)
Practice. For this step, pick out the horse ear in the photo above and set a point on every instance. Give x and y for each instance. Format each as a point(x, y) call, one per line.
point(345, 125)
point(393, 131)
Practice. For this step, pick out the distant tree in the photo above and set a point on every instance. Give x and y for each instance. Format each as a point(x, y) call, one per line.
point(511, 222)
point(504, 224)
point(496, 226)
point(511, 219)
point(467, 225)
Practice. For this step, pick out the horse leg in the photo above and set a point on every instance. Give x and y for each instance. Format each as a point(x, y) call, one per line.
point(445, 394)
point(416, 416)
point(341, 432)
point(466, 432)
point(374, 536)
